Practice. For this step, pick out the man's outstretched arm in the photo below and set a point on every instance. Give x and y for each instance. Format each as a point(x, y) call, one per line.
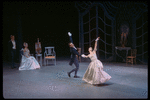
point(70, 36)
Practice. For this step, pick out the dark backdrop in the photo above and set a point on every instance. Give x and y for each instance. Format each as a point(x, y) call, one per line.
point(48, 21)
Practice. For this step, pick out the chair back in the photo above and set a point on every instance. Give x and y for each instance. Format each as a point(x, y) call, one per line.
point(38, 48)
point(133, 52)
point(49, 51)
point(79, 50)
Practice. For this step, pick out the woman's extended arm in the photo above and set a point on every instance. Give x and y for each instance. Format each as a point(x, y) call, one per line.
point(95, 47)
point(84, 56)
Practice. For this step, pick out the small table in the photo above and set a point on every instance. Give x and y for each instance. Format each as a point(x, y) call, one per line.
point(39, 55)
point(122, 48)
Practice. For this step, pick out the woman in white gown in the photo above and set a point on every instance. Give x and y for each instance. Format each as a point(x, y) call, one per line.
point(94, 73)
point(28, 62)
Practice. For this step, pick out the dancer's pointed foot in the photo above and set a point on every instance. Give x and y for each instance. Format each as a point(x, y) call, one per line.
point(68, 74)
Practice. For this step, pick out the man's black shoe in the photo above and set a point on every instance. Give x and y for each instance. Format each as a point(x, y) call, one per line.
point(76, 77)
point(68, 74)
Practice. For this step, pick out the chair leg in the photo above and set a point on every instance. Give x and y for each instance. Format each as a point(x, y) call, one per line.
point(126, 61)
point(44, 61)
point(55, 62)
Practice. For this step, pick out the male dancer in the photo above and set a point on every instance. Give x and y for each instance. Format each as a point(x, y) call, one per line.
point(73, 51)
point(12, 50)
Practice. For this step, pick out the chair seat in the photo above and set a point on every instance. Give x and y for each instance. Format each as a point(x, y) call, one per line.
point(130, 57)
point(50, 57)
point(38, 54)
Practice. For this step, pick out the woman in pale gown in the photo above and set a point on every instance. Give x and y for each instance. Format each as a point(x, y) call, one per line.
point(94, 73)
point(28, 62)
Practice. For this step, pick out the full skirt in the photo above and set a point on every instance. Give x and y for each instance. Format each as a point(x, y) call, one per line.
point(29, 63)
point(95, 74)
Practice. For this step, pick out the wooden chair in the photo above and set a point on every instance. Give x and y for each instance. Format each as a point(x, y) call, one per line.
point(132, 58)
point(49, 54)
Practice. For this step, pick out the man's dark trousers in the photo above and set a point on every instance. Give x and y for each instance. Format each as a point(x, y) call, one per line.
point(13, 57)
point(76, 63)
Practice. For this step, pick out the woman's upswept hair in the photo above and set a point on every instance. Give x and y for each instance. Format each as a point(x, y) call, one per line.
point(25, 43)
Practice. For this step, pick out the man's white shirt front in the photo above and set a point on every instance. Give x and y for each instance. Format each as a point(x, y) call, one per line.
point(14, 44)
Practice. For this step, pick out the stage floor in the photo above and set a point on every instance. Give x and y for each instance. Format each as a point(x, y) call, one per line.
point(53, 82)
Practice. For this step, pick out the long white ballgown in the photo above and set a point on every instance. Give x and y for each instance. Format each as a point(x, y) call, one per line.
point(28, 63)
point(94, 73)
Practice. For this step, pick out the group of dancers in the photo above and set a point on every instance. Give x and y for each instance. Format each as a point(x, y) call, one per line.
point(93, 75)
point(28, 62)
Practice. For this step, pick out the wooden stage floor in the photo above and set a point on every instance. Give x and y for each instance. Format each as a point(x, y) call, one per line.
point(52, 82)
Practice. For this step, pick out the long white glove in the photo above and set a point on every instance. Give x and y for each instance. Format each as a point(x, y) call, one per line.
point(69, 34)
point(83, 55)
point(97, 39)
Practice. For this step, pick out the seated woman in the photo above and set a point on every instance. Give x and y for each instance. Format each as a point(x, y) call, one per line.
point(28, 62)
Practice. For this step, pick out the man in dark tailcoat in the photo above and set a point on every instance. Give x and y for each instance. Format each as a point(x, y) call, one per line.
point(73, 59)
point(12, 51)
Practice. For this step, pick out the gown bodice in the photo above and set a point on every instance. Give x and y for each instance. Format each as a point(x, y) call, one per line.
point(26, 53)
point(93, 57)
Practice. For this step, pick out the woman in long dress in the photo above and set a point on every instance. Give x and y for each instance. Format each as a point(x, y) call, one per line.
point(94, 73)
point(28, 62)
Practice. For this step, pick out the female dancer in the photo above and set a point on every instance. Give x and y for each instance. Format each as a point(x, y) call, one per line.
point(94, 73)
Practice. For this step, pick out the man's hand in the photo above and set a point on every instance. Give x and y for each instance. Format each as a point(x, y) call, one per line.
point(69, 34)
point(83, 56)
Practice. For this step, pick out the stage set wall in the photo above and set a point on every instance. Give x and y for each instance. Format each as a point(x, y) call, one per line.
point(103, 19)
